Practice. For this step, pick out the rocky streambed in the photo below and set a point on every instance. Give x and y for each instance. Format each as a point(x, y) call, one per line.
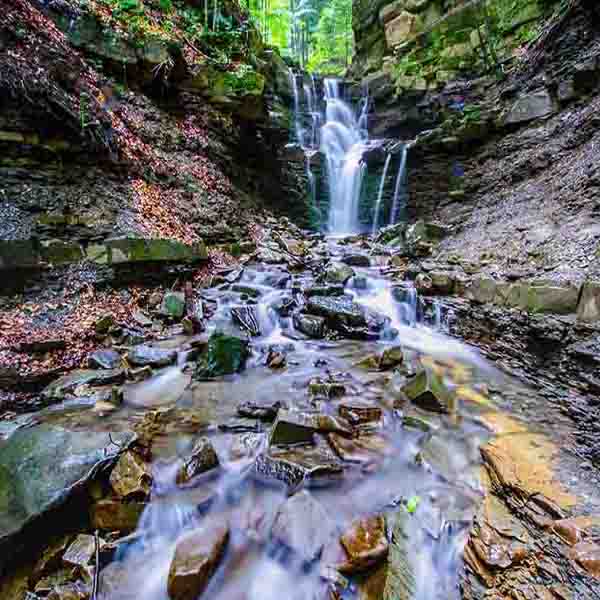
point(302, 427)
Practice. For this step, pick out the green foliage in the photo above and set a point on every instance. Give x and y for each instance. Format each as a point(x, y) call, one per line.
point(412, 504)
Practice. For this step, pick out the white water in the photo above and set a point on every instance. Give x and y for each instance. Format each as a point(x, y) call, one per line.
point(380, 193)
point(400, 183)
point(343, 143)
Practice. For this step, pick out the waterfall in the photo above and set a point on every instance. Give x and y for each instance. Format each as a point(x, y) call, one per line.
point(297, 122)
point(343, 145)
point(400, 184)
point(380, 193)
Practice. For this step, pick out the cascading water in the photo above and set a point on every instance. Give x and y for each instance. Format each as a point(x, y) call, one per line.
point(388, 160)
point(399, 188)
point(343, 144)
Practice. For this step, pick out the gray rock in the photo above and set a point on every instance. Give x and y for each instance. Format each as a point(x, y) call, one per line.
point(347, 317)
point(356, 260)
point(297, 466)
point(264, 411)
point(203, 459)
point(338, 273)
point(303, 525)
point(529, 107)
point(247, 318)
point(58, 389)
point(104, 359)
point(41, 466)
point(310, 325)
point(142, 356)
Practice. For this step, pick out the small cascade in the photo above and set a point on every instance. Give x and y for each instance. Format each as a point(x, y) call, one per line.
point(386, 167)
point(399, 190)
point(343, 144)
point(299, 130)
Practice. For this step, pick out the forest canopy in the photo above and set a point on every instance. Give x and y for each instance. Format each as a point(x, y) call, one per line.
point(317, 34)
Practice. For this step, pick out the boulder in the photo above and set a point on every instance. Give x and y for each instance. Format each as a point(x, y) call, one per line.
point(226, 355)
point(366, 545)
point(131, 477)
point(41, 466)
point(303, 525)
point(529, 107)
point(197, 557)
point(104, 359)
point(81, 552)
point(427, 391)
point(173, 305)
point(338, 273)
point(65, 385)
point(310, 325)
point(299, 466)
point(356, 260)
point(150, 356)
point(133, 250)
point(203, 459)
point(326, 389)
point(359, 412)
point(366, 449)
point(264, 411)
point(324, 290)
point(116, 515)
point(292, 427)
point(347, 317)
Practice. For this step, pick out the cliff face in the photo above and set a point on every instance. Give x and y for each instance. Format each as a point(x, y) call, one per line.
point(118, 122)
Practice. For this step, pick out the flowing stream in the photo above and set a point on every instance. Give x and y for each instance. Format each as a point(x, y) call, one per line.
point(438, 465)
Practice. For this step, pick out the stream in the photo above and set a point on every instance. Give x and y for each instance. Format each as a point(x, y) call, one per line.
point(399, 461)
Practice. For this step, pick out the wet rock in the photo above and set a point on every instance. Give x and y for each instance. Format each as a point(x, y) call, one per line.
point(58, 389)
point(197, 556)
point(356, 260)
point(367, 448)
point(264, 411)
point(276, 360)
point(225, 355)
point(116, 515)
point(324, 290)
point(149, 356)
point(302, 524)
point(310, 325)
point(173, 305)
point(240, 425)
point(203, 459)
point(41, 466)
point(423, 283)
point(57, 578)
point(326, 389)
point(70, 591)
point(247, 318)
point(427, 391)
point(292, 427)
point(338, 273)
point(391, 358)
point(298, 466)
point(347, 317)
point(81, 552)
point(104, 359)
point(358, 412)
point(366, 545)
point(131, 477)
point(284, 306)
point(50, 559)
point(400, 581)
point(529, 107)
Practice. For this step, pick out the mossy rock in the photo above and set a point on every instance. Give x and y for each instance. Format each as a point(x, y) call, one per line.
point(226, 355)
point(19, 254)
point(132, 250)
point(57, 252)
